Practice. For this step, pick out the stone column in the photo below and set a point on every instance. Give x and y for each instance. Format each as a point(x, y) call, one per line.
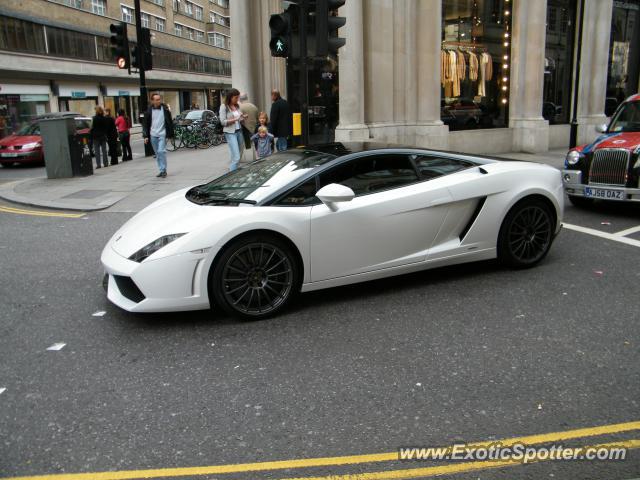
point(243, 65)
point(351, 71)
point(430, 131)
point(596, 30)
point(528, 38)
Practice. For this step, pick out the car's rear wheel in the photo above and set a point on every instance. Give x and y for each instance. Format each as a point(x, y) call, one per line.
point(255, 277)
point(580, 201)
point(526, 233)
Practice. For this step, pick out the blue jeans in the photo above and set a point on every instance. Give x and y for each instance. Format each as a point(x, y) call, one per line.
point(159, 145)
point(236, 148)
point(281, 143)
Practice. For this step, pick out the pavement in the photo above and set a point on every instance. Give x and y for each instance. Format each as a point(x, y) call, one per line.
point(126, 187)
point(129, 186)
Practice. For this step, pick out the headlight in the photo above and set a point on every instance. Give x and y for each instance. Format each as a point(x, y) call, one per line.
point(154, 246)
point(573, 157)
point(29, 146)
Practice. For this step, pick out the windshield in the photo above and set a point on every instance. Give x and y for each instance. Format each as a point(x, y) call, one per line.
point(194, 115)
point(30, 129)
point(260, 178)
point(627, 119)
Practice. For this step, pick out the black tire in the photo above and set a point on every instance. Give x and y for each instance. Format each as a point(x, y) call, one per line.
point(580, 202)
point(255, 277)
point(526, 233)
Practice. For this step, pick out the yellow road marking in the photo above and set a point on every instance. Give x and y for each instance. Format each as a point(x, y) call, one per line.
point(453, 468)
point(39, 213)
point(323, 461)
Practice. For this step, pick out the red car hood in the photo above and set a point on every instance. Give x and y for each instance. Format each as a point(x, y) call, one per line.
point(626, 140)
point(14, 140)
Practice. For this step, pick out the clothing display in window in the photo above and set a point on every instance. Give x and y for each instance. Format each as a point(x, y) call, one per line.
point(453, 70)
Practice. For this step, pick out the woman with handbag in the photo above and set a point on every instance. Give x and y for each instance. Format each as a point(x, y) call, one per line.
point(123, 124)
point(231, 119)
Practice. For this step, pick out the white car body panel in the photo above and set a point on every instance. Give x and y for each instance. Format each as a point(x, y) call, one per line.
point(373, 236)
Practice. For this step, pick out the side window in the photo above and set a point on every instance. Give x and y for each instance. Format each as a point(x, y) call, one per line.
point(304, 194)
point(372, 174)
point(433, 167)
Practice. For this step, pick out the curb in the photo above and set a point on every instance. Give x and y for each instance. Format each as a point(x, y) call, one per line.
point(7, 193)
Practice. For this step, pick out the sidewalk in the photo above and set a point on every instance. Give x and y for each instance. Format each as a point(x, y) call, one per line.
point(126, 187)
point(131, 186)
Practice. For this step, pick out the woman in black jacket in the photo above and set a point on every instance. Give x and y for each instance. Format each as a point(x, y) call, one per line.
point(99, 134)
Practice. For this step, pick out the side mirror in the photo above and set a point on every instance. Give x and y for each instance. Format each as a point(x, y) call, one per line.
point(601, 128)
point(335, 193)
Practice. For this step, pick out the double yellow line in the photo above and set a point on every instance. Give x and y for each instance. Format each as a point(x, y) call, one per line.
point(553, 437)
point(38, 213)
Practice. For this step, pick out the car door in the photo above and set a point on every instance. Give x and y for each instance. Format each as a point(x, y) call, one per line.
point(391, 222)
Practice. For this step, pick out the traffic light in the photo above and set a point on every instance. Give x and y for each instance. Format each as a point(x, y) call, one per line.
point(141, 56)
point(280, 25)
point(120, 44)
point(327, 25)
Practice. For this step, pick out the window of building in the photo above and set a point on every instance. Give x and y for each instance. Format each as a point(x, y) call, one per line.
point(475, 61)
point(145, 20)
point(189, 33)
point(199, 36)
point(158, 2)
point(99, 7)
point(558, 61)
point(223, 3)
point(70, 44)
point(188, 8)
point(198, 12)
point(178, 29)
point(159, 24)
point(217, 40)
point(624, 54)
point(21, 36)
point(212, 17)
point(222, 20)
point(127, 14)
point(175, 5)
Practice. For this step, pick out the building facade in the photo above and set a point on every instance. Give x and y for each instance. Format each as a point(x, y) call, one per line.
point(55, 55)
point(483, 76)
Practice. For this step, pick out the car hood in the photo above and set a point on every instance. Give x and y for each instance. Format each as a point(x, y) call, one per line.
point(626, 140)
point(168, 215)
point(20, 140)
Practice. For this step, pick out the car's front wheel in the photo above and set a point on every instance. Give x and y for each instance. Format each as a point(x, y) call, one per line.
point(526, 233)
point(255, 277)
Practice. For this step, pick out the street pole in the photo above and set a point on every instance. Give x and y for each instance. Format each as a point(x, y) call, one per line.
point(573, 137)
point(143, 103)
point(304, 69)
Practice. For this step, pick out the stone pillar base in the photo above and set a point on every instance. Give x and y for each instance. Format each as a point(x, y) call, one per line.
point(352, 133)
point(530, 135)
point(587, 127)
point(429, 135)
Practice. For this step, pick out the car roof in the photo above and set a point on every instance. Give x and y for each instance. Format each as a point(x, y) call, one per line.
point(56, 115)
point(342, 149)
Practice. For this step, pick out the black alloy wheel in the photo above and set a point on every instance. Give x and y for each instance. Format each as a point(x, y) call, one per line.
point(255, 277)
point(526, 234)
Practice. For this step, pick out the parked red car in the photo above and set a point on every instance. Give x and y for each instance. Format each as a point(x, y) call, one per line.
point(25, 146)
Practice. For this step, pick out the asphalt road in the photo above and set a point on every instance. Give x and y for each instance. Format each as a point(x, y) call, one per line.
point(467, 353)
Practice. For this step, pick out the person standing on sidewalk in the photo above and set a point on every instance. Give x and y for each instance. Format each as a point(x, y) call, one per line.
point(231, 119)
point(157, 126)
point(280, 120)
point(112, 136)
point(123, 124)
point(99, 137)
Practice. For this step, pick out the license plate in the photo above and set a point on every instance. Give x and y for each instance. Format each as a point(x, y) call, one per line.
point(604, 193)
point(9, 155)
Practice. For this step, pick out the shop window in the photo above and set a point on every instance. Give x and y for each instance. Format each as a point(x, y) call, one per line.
point(18, 111)
point(475, 60)
point(624, 53)
point(558, 62)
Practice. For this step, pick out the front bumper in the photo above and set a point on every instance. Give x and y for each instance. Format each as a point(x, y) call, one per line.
point(20, 156)
point(169, 284)
point(572, 182)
